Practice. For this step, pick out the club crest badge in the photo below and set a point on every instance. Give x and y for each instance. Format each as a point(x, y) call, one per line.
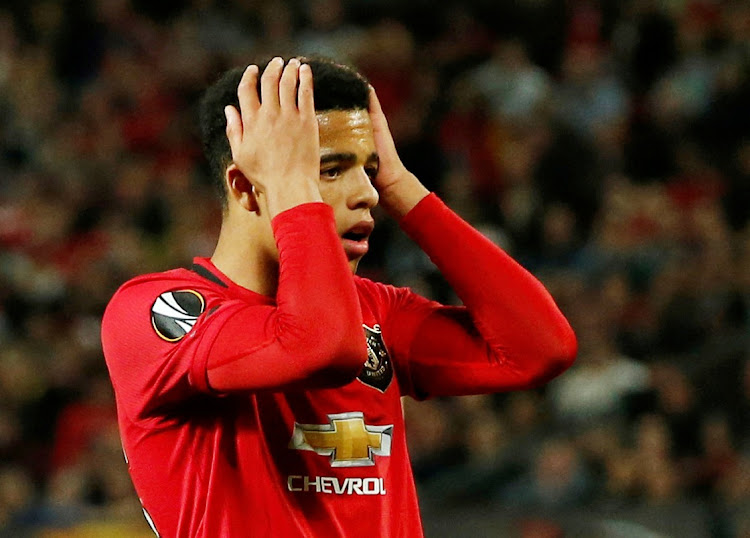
point(174, 313)
point(377, 371)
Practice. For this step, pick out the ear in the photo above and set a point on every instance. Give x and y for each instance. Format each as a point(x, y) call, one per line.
point(240, 189)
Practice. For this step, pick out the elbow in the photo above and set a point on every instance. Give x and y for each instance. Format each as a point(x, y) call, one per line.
point(551, 361)
point(339, 354)
point(346, 363)
point(561, 354)
point(567, 347)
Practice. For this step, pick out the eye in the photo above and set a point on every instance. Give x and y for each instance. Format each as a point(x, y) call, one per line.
point(331, 173)
point(371, 171)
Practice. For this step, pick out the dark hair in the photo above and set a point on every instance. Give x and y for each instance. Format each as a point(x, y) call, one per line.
point(335, 87)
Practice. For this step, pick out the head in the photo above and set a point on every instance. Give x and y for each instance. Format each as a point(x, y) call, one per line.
point(348, 157)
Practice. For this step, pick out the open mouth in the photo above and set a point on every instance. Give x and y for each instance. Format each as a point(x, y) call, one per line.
point(355, 240)
point(355, 236)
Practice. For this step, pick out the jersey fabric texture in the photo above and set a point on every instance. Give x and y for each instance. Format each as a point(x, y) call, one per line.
point(296, 446)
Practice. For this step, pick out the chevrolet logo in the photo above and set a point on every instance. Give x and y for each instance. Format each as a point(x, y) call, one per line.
point(346, 439)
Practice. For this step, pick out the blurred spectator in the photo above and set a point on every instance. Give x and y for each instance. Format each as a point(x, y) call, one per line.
point(598, 386)
point(326, 31)
point(514, 87)
point(558, 479)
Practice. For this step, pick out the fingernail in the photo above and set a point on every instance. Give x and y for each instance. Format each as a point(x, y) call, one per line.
point(226, 113)
point(278, 60)
point(294, 61)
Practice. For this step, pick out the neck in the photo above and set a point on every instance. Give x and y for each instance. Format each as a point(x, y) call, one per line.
point(242, 257)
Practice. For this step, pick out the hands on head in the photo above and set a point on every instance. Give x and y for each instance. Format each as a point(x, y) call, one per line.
point(399, 189)
point(274, 139)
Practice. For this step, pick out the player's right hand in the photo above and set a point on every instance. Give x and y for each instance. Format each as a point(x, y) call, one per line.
point(274, 136)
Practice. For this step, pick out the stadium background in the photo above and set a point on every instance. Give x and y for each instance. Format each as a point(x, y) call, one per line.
point(604, 143)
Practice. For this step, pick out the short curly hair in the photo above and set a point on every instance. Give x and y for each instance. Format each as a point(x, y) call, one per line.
point(335, 87)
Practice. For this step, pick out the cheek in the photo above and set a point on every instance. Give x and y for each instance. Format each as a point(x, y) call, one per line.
point(335, 198)
point(332, 193)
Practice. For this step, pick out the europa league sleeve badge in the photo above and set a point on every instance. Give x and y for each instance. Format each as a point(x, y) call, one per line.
point(174, 313)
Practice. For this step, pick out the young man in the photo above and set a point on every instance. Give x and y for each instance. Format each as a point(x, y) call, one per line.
point(259, 392)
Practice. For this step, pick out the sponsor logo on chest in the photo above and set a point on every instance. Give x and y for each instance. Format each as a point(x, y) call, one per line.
point(347, 441)
point(336, 486)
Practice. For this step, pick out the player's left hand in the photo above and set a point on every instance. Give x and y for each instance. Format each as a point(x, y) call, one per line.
point(399, 189)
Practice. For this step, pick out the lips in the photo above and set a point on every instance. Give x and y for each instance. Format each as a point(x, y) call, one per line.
point(355, 239)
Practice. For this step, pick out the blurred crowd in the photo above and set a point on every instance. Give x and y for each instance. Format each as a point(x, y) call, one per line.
point(605, 144)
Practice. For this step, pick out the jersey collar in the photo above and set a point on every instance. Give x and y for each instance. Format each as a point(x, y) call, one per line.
point(205, 268)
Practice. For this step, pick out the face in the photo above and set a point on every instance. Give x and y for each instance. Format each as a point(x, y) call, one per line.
point(348, 164)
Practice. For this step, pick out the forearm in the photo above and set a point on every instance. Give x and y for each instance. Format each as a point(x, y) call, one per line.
point(511, 310)
point(314, 334)
point(316, 298)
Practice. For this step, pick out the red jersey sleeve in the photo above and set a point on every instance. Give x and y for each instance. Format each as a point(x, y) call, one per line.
point(508, 335)
point(150, 367)
point(310, 337)
point(313, 336)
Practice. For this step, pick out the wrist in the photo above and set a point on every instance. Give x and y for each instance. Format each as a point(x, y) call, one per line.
point(402, 196)
point(291, 195)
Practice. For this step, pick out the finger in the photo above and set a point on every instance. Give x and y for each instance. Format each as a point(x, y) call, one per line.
point(234, 126)
point(247, 92)
point(269, 83)
point(288, 85)
point(380, 129)
point(376, 111)
point(305, 100)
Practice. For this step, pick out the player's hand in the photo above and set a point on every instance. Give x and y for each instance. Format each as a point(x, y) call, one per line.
point(274, 135)
point(399, 189)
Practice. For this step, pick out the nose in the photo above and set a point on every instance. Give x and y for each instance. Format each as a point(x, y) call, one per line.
point(363, 194)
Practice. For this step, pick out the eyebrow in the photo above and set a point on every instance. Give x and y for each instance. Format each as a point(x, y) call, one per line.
point(347, 157)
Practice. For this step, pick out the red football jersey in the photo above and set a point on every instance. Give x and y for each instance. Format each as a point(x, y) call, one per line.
point(301, 461)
